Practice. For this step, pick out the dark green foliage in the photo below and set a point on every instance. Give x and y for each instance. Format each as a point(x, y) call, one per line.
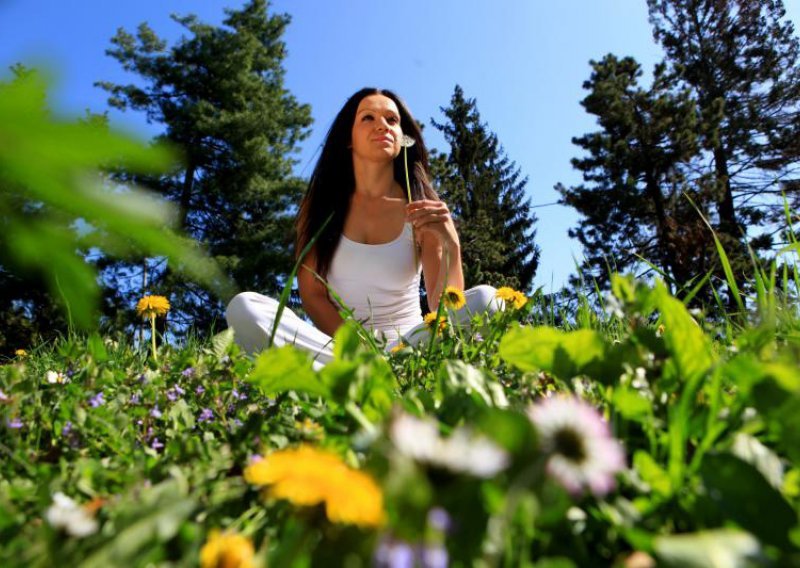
point(486, 195)
point(741, 59)
point(220, 96)
point(631, 203)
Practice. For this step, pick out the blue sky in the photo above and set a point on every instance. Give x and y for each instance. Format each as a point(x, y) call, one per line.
point(523, 60)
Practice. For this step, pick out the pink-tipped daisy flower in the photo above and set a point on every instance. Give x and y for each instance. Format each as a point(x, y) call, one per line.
point(582, 452)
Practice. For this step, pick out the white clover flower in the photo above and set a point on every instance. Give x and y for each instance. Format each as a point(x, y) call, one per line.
point(461, 452)
point(65, 514)
point(56, 378)
point(613, 306)
point(582, 452)
point(3, 396)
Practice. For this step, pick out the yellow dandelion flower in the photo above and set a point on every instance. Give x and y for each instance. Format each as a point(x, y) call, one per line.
point(454, 298)
point(505, 293)
point(397, 347)
point(519, 300)
point(307, 476)
point(227, 550)
point(511, 296)
point(430, 322)
point(152, 306)
point(21, 353)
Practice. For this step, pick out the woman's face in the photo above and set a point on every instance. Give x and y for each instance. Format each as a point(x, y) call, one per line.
point(376, 133)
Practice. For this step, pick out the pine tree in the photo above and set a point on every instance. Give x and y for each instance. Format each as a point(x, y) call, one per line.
point(486, 195)
point(740, 58)
point(219, 94)
point(631, 201)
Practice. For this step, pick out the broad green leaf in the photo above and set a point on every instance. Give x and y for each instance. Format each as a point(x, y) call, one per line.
point(551, 350)
point(583, 346)
point(53, 164)
point(708, 549)
point(285, 369)
point(686, 342)
point(749, 449)
point(529, 348)
point(221, 342)
point(630, 403)
point(744, 496)
point(652, 473)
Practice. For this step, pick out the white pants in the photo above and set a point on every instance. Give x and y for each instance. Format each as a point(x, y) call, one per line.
point(252, 316)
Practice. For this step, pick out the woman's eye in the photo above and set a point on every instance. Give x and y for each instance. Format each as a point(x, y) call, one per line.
point(392, 120)
point(367, 117)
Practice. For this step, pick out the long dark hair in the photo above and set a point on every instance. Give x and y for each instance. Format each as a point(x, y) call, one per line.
point(333, 180)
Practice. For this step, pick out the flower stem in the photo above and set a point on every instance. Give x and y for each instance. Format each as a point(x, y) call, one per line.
point(408, 190)
point(153, 335)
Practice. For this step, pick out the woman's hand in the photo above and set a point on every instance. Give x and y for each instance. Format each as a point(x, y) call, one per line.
point(430, 217)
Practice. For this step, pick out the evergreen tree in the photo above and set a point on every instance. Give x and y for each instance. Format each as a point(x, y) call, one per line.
point(219, 94)
point(486, 195)
point(634, 173)
point(740, 58)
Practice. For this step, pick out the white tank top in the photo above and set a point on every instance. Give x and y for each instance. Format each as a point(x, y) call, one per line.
point(379, 282)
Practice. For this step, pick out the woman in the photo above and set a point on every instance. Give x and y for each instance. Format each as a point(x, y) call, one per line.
point(371, 250)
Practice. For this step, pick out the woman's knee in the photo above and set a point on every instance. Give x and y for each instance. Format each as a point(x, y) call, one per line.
point(482, 298)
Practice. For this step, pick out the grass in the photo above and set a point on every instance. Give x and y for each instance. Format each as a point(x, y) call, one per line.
point(705, 407)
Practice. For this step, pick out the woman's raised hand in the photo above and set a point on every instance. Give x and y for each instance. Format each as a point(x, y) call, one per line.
point(432, 217)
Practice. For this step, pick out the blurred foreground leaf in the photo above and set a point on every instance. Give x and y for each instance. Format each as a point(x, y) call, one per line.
point(53, 202)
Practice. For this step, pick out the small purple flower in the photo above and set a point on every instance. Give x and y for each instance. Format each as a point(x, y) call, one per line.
point(155, 412)
point(239, 395)
point(179, 390)
point(97, 400)
point(256, 458)
point(156, 445)
point(393, 554)
point(171, 396)
point(66, 429)
point(199, 390)
point(231, 409)
point(143, 379)
point(235, 424)
point(434, 557)
point(136, 398)
point(70, 372)
point(206, 415)
point(439, 519)
point(188, 372)
point(14, 423)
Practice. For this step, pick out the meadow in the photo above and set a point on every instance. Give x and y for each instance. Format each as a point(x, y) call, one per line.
point(638, 433)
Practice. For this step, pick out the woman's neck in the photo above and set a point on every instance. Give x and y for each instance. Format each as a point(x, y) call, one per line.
point(374, 180)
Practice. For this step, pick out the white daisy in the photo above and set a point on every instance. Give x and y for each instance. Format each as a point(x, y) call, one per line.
point(65, 514)
point(54, 378)
point(461, 452)
point(582, 452)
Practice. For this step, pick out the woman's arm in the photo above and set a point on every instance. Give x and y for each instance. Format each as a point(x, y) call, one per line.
point(441, 248)
point(314, 296)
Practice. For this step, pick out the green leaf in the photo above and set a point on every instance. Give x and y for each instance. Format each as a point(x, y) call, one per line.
point(548, 349)
point(631, 404)
point(285, 369)
point(744, 496)
point(456, 376)
point(708, 549)
point(686, 342)
point(530, 349)
point(153, 520)
point(652, 473)
point(221, 342)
